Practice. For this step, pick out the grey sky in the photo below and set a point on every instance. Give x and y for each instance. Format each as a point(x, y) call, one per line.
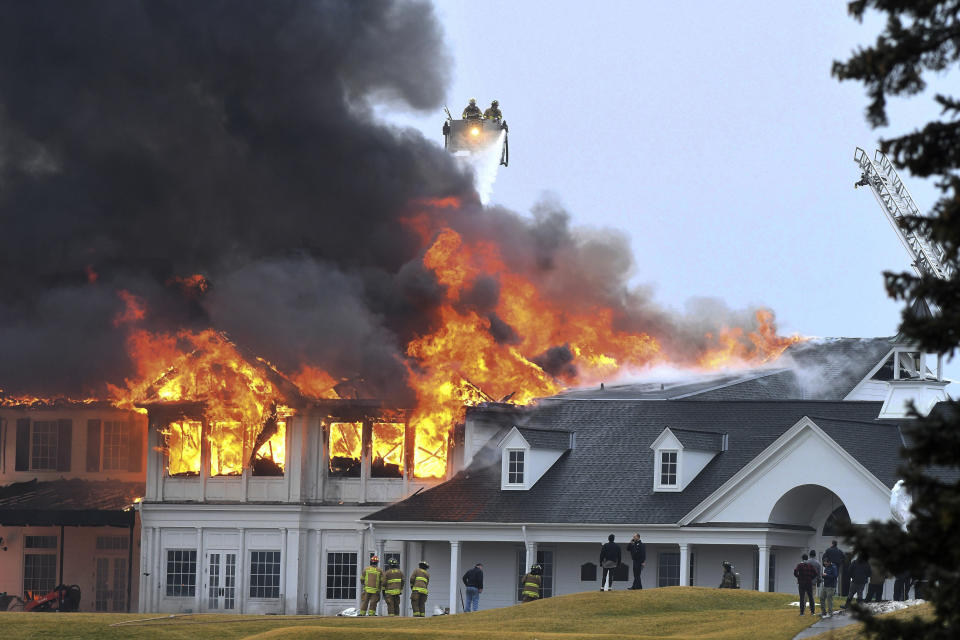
point(712, 133)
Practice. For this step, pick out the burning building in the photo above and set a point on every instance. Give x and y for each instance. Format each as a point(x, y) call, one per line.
point(246, 189)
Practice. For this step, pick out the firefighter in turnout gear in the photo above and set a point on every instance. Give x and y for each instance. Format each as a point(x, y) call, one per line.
point(472, 111)
point(493, 113)
point(419, 580)
point(392, 587)
point(532, 583)
point(729, 579)
point(372, 585)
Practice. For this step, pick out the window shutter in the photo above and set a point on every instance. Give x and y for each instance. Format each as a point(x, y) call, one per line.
point(64, 444)
point(134, 461)
point(93, 445)
point(23, 445)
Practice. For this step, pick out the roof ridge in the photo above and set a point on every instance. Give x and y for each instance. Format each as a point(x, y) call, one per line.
point(872, 423)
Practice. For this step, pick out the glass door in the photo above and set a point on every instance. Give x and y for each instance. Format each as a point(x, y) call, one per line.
point(221, 580)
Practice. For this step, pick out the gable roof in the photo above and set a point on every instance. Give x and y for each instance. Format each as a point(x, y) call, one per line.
point(699, 440)
point(546, 438)
point(829, 368)
point(607, 478)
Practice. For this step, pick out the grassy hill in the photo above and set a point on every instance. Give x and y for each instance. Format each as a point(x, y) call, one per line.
point(676, 612)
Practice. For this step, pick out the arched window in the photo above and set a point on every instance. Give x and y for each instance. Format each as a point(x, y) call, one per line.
point(839, 517)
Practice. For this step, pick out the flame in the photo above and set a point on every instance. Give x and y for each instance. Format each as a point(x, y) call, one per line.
point(315, 382)
point(134, 308)
point(764, 345)
point(243, 418)
point(528, 344)
point(193, 286)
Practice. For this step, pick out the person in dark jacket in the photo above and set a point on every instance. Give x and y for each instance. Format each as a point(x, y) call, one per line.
point(830, 574)
point(806, 575)
point(638, 551)
point(609, 560)
point(473, 581)
point(859, 576)
point(878, 576)
point(834, 555)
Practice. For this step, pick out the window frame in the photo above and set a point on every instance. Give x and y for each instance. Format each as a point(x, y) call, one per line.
point(352, 578)
point(175, 590)
point(123, 455)
point(52, 428)
point(659, 483)
point(664, 580)
point(547, 578)
point(265, 589)
point(509, 463)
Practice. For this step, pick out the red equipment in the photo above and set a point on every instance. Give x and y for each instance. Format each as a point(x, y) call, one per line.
point(62, 598)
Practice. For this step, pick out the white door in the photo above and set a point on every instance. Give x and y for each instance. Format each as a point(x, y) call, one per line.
point(221, 581)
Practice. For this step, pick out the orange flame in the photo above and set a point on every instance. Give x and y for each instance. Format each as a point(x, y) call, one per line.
point(135, 308)
point(764, 345)
point(245, 419)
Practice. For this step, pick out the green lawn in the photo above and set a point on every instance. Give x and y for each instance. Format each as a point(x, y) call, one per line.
point(676, 612)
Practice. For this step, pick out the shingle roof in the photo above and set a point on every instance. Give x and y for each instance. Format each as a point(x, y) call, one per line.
point(816, 369)
point(699, 440)
point(68, 502)
point(607, 477)
point(829, 368)
point(546, 438)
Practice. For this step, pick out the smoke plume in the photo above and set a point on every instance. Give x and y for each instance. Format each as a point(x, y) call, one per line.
point(143, 142)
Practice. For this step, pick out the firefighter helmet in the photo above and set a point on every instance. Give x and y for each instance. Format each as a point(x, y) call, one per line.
point(536, 569)
point(393, 562)
point(494, 104)
point(424, 564)
point(473, 101)
point(374, 560)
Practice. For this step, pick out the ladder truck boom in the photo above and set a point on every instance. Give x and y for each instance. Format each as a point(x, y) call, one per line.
point(878, 173)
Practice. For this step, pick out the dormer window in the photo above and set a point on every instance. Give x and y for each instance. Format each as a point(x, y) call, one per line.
point(527, 453)
point(515, 466)
point(668, 468)
point(679, 455)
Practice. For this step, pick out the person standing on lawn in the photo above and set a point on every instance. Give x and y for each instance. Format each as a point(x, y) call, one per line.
point(830, 574)
point(816, 583)
point(473, 581)
point(419, 580)
point(859, 576)
point(638, 551)
point(805, 574)
point(372, 585)
point(609, 560)
point(392, 586)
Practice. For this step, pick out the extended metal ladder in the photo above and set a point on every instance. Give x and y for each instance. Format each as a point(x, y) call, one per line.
point(878, 173)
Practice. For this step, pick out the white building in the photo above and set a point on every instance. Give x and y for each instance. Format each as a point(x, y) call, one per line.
point(752, 468)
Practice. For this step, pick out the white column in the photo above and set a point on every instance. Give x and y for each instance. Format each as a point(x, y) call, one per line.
point(454, 572)
point(242, 569)
point(531, 556)
point(147, 538)
point(684, 564)
point(763, 566)
point(159, 563)
point(201, 570)
point(284, 555)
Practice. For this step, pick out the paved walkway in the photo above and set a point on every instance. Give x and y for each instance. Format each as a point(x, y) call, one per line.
point(825, 624)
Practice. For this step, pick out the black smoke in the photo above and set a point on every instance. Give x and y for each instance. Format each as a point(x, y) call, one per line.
point(144, 141)
point(148, 140)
